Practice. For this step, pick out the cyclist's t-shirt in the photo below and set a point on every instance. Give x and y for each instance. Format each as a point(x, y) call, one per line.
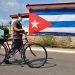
point(17, 35)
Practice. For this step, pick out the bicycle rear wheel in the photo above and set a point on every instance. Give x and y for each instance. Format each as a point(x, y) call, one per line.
point(37, 57)
point(2, 53)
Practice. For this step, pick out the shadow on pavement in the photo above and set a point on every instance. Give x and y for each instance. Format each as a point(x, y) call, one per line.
point(49, 63)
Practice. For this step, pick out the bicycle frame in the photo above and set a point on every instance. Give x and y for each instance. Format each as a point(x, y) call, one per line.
point(23, 50)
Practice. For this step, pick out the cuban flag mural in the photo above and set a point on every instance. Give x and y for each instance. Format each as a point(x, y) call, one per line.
point(52, 21)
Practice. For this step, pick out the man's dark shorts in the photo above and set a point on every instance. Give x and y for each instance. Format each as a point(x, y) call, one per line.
point(17, 43)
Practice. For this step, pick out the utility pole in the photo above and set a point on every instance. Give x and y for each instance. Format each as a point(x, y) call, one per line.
point(2, 24)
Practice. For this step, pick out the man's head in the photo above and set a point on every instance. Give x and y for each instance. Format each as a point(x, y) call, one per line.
point(19, 17)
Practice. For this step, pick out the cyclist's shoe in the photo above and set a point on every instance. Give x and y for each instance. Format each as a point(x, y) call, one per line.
point(6, 61)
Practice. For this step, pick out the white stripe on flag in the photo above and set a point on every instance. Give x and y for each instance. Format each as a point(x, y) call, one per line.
point(69, 17)
point(63, 29)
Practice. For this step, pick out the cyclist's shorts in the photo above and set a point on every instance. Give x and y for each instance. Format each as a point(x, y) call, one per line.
point(17, 43)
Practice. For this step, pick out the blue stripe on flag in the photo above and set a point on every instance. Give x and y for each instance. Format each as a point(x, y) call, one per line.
point(57, 33)
point(54, 11)
point(63, 24)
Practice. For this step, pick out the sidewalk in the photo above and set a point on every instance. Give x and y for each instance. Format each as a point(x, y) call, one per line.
point(60, 50)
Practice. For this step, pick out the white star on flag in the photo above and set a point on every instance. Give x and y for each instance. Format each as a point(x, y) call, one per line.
point(34, 24)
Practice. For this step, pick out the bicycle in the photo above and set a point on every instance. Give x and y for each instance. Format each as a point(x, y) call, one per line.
point(34, 55)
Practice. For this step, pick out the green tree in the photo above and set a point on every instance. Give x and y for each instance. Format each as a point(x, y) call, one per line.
point(6, 31)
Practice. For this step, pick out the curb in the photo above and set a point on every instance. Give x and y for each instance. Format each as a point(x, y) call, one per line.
point(61, 50)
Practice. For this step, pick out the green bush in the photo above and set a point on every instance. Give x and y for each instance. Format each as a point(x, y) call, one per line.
point(6, 30)
point(49, 40)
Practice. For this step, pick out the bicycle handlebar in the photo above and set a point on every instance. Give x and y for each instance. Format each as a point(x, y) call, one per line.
point(25, 33)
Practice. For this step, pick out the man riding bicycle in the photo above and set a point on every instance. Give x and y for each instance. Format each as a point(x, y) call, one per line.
point(17, 36)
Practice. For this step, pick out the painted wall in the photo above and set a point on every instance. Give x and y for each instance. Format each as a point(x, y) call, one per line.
point(62, 20)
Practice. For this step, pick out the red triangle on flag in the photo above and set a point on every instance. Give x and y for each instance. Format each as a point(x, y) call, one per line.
point(36, 23)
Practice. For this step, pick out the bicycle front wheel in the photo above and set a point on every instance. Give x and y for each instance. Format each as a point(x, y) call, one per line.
point(35, 55)
point(2, 53)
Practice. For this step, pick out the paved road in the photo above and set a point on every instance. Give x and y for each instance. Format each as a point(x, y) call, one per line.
point(57, 64)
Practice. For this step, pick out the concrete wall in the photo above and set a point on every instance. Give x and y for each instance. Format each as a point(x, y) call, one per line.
point(56, 41)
